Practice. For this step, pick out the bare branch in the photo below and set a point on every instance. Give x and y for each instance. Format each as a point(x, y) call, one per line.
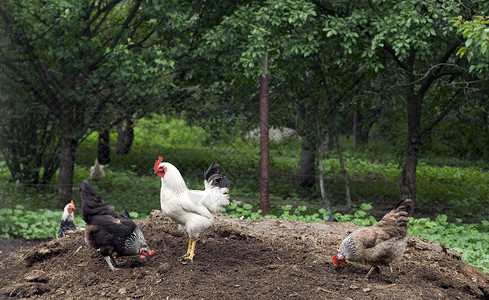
point(448, 107)
point(434, 74)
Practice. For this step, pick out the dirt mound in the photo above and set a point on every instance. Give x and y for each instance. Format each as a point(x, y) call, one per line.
point(236, 259)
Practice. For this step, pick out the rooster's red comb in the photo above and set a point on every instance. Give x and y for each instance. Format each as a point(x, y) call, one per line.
point(157, 163)
point(72, 203)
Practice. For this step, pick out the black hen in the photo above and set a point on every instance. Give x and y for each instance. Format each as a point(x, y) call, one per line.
point(108, 230)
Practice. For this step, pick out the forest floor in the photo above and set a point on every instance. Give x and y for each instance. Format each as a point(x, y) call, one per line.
point(235, 259)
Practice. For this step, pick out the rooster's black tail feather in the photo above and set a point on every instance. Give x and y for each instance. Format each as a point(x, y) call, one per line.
point(215, 178)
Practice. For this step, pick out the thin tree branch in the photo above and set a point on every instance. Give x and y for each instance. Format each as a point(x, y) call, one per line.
point(435, 72)
point(448, 107)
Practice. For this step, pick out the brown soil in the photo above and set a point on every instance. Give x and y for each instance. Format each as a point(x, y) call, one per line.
point(8, 246)
point(235, 259)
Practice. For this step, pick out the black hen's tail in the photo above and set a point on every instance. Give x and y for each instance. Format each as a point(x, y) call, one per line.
point(92, 205)
point(125, 214)
point(215, 178)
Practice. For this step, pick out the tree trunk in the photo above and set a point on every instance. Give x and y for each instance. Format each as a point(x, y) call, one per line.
point(104, 146)
point(415, 93)
point(363, 120)
point(307, 172)
point(408, 174)
point(125, 136)
point(342, 162)
point(360, 136)
point(66, 170)
point(264, 141)
point(324, 147)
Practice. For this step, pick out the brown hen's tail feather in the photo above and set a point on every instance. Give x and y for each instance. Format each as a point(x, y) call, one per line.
point(92, 205)
point(406, 205)
point(397, 219)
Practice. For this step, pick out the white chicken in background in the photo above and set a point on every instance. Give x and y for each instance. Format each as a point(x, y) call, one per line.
point(192, 210)
point(97, 171)
point(67, 220)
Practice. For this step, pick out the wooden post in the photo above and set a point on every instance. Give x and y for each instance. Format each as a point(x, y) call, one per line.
point(264, 139)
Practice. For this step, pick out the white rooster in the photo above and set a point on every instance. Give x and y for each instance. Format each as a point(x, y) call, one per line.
point(97, 171)
point(192, 210)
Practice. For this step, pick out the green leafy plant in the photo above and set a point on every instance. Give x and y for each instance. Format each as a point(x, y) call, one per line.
point(470, 240)
point(475, 33)
point(21, 223)
point(301, 213)
point(360, 217)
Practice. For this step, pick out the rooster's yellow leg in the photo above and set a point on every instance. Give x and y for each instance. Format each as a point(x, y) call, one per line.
point(188, 249)
point(192, 251)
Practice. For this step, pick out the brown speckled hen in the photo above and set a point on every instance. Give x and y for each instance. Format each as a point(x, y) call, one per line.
point(379, 244)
